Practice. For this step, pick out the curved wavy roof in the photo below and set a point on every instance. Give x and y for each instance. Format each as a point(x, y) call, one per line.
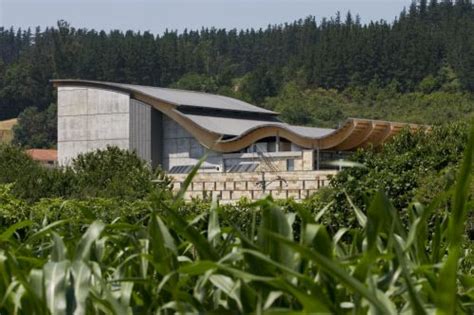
point(228, 125)
point(238, 126)
point(176, 97)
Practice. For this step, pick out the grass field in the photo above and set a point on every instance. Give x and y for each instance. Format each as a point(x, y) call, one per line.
point(6, 132)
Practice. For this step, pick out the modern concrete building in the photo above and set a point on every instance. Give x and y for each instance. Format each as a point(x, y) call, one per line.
point(175, 128)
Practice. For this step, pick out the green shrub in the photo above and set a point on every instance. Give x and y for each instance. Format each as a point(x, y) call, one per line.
point(113, 172)
point(31, 181)
point(12, 210)
point(108, 173)
point(15, 164)
point(399, 168)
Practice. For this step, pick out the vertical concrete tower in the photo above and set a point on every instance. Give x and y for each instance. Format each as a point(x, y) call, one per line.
point(90, 118)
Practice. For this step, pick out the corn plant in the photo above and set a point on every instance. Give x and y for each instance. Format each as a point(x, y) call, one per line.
point(166, 264)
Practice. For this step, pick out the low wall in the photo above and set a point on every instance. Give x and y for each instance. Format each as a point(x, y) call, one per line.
point(230, 187)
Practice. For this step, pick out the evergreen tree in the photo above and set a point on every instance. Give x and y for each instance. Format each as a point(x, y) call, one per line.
point(338, 53)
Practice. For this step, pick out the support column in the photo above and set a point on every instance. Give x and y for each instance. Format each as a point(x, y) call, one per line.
point(308, 160)
point(318, 159)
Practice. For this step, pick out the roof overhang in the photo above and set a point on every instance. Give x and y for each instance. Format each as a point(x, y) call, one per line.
point(173, 97)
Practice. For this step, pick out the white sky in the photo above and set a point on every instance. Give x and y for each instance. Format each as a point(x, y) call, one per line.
point(158, 15)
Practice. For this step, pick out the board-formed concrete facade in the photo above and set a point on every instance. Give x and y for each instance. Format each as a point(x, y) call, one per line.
point(90, 118)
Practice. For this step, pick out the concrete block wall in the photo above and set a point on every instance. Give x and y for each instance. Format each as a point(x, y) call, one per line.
point(307, 160)
point(89, 119)
point(230, 187)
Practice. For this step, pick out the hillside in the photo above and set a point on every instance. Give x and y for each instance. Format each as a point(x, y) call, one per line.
point(6, 132)
point(418, 68)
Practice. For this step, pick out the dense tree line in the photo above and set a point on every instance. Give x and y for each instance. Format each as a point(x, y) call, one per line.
point(430, 47)
point(329, 108)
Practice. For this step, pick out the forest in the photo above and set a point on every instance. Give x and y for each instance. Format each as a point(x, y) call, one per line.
point(417, 68)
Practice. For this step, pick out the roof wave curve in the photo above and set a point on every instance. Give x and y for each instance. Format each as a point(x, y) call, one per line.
point(225, 124)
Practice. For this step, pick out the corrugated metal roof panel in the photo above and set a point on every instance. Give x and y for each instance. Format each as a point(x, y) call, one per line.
point(311, 132)
point(237, 127)
point(179, 97)
point(228, 126)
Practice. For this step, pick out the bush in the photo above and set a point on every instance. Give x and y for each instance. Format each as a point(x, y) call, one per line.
point(113, 172)
point(399, 169)
point(30, 180)
point(108, 173)
point(15, 164)
point(12, 210)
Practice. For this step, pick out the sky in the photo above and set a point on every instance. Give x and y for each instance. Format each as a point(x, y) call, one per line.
point(158, 15)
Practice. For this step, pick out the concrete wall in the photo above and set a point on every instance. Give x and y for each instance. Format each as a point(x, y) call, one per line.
point(91, 118)
point(146, 132)
point(229, 187)
point(181, 148)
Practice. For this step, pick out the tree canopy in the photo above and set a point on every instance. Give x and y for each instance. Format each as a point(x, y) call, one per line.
point(429, 48)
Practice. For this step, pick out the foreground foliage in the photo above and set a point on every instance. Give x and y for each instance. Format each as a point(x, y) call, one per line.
point(166, 264)
point(412, 166)
point(105, 173)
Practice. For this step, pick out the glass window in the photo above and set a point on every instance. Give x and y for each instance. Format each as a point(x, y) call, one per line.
point(285, 146)
point(261, 147)
point(290, 165)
